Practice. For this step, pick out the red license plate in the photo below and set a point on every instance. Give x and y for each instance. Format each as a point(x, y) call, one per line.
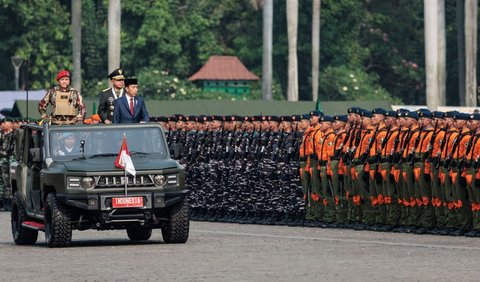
point(127, 202)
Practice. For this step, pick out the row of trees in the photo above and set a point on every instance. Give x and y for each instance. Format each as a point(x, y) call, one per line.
point(370, 49)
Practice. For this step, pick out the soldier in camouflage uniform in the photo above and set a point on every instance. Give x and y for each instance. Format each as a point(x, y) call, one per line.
point(67, 105)
point(6, 152)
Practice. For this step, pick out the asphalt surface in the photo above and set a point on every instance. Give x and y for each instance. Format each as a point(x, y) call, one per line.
point(234, 252)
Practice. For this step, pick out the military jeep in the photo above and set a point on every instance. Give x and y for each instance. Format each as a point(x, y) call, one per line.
point(65, 179)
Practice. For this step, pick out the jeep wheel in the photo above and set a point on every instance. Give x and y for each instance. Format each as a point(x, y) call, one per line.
point(58, 225)
point(21, 235)
point(139, 233)
point(177, 227)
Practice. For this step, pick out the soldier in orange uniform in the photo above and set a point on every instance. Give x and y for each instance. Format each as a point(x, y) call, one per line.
point(351, 143)
point(338, 168)
point(327, 151)
point(408, 188)
point(387, 171)
point(376, 183)
point(435, 159)
point(312, 193)
point(463, 215)
point(362, 171)
point(448, 179)
point(422, 171)
point(473, 175)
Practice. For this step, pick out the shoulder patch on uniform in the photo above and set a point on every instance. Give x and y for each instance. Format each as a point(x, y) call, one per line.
point(105, 90)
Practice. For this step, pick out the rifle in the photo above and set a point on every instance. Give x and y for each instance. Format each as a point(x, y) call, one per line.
point(190, 147)
point(220, 139)
point(238, 144)
point(229, 141)
point(366, 154)
point(398, 155)
point(411, 155)
point(432, 141)
point(447, 163)
point(437, 159)
point(356, 142)
point(278, 148)
point(462, 163)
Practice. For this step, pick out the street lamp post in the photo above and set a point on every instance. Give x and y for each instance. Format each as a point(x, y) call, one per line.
point(17, 62)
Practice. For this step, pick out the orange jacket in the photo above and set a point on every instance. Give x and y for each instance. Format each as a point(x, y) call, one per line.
point(365, 141)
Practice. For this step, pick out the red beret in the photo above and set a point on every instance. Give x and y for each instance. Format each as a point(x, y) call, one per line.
point(63, 73)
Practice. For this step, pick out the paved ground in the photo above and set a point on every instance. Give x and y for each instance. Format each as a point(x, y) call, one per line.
point(233, 252)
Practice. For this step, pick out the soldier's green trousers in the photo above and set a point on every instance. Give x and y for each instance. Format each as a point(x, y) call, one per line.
point(317, 206)
point(306, 186)
point(327, 196)
point(464, 213)
point(362, 186)
point(4, 177)
point(407, 186)
point(451, 220)
point(354, 211)
point(473, 197)
point(427, 214)
point(338, 184)
point(438, 195)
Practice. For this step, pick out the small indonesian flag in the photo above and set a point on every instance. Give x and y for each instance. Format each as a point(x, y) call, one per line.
point(123, 160)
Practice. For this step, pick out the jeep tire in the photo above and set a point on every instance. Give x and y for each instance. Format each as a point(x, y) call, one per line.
point(177, 227)
point(21, 235)
point(58, 225)
point(139, 233)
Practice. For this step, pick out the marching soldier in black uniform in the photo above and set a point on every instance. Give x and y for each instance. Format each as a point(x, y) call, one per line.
point(109, 95)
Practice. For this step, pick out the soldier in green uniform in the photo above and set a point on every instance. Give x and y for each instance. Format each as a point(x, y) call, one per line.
point(6, 150)
point(109, 95)
point(67, 105)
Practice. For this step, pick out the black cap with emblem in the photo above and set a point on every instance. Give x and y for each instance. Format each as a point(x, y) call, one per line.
point(117, 74)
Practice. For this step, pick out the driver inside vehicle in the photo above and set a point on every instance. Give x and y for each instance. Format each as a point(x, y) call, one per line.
point(68, 146)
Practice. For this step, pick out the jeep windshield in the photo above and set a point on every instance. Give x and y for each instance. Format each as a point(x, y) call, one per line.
point(105, 141)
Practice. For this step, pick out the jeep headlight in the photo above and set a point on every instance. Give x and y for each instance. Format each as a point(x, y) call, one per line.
point(159, 180)
point(88, 182)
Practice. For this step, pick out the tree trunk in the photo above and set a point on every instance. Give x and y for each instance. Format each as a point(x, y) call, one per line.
point(460, 21)
point(267, 49)
point(435, 54)
point(77, 44)
point(114, 20)
point(471, 13)
point(292, 24)
point(315, 47)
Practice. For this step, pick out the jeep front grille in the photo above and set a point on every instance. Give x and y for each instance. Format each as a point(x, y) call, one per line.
point(119, 181)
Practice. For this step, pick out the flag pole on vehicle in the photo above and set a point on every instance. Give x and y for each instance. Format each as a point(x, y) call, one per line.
point(124, 161)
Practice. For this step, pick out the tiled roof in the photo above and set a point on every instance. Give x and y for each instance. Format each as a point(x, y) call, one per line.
point(223, 68)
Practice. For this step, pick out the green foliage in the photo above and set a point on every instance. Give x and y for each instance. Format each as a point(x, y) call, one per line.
point(380, 42)
point(350, 83)
point(160, 85)
point(94, 47)
point(40, 32)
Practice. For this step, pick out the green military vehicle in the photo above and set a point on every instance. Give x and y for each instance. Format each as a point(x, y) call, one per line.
point(65, 179)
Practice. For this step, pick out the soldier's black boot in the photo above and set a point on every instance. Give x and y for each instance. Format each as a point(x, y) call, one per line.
point(193, 213)
point(283, 219)
point(1, 204)
point(296, 219)
point(202, 216)
point(257, 216)
point(216, 213)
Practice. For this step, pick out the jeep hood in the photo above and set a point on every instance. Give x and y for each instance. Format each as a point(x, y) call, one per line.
point(107, 164)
